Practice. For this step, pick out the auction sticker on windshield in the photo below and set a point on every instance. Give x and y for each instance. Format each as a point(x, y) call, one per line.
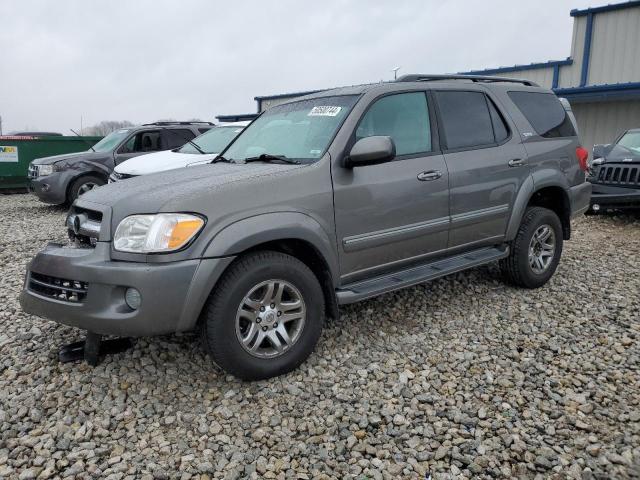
point(8, 153)
point(324, 111)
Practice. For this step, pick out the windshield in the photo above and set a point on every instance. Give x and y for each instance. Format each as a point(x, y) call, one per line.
point(630, 141)
point(214, 141)
point(111, 141)
point(299, 130)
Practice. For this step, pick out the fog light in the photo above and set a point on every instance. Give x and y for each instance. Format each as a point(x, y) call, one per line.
point(595, 207)
point(133, 298)
point(45, 187)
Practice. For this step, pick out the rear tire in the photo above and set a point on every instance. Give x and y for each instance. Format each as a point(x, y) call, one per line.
point(244, 327)
point(83, 185)
point(535, 252)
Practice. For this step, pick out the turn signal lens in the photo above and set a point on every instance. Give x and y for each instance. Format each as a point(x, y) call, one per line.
point(583, 156)
point(184, 231)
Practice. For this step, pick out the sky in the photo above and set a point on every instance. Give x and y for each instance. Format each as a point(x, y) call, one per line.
point(144, 60)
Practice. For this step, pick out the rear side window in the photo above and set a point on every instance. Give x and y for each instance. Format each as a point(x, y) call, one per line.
point(545, 113)
point(404, 117)
point(466, 119)
point(176, 137)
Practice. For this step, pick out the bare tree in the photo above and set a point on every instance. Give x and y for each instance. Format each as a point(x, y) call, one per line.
point(106, 127)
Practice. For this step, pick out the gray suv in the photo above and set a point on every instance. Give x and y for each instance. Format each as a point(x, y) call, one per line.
point(327, 200)
point(63, 178)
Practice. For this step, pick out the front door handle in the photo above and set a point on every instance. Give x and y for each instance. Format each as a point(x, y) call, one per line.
point(429, 175)
point(516, 162)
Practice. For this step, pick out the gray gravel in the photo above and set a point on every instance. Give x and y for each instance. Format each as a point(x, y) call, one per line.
point(464, 377)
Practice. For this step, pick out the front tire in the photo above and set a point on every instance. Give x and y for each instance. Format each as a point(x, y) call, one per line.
point(264, 317)
point(83, 185)
point(535, 252)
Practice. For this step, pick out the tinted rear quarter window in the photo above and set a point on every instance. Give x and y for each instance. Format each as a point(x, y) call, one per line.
point(545, 113)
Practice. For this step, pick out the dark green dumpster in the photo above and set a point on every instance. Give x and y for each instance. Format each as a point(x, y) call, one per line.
point(17, 151)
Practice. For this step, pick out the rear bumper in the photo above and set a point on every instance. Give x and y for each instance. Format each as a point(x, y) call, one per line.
point(579, 197)
point(615, 197)
point(172, 293)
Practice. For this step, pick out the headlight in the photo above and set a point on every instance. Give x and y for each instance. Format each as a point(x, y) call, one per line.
point(164, 232)
point(44, 170)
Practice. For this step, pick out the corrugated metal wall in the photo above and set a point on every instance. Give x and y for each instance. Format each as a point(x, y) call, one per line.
point(602, 122)
point(542, 76)
point(615, 47)
point(570, 74)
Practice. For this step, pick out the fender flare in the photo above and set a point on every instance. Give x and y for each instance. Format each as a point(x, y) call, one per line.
point(253, 231)
point(535, 182)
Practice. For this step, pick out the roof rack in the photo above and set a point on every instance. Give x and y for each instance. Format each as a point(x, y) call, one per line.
point(178, 123)
point(473, 78)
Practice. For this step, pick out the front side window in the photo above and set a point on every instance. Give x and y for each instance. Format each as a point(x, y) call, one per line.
point(544, 112)
point(213, 141)
point(142, 142)
point(466, 119)
point(299, 130)
point(111, 141)
point(404, 117)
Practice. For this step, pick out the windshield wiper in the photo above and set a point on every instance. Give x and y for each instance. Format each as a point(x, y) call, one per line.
point(267, 157)
point(183, 137)
point(220, 158)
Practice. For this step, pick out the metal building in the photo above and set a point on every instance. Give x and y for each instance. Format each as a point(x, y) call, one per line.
point(601, 78)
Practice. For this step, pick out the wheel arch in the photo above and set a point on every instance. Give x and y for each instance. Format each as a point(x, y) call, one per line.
point(293, 233)
point(548, 194)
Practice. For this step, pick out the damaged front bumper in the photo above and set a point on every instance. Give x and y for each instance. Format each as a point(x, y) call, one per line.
point(84, 288)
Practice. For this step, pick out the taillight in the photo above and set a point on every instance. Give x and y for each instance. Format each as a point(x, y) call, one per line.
point(583, 155)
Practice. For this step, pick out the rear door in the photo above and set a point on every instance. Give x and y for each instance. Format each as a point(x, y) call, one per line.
point(176, 137)
point(394, 213)
point(487, 164)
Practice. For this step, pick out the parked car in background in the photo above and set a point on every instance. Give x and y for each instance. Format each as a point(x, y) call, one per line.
point(200, 150)
point(63, 178)
point(327, 200)
point(614, 173)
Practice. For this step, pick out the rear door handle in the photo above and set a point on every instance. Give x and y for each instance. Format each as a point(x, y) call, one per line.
point(516, 162)
point(429, 175)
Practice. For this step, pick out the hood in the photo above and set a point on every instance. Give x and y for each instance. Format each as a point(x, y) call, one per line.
point(619, 154)
point(172, 190)
point(161, 161)
point(88, 155)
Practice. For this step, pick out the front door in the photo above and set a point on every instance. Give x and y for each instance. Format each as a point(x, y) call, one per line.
point(487, 164)
point(394, 213)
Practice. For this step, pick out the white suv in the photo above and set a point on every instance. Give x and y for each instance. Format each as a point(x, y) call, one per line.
point(200, 150)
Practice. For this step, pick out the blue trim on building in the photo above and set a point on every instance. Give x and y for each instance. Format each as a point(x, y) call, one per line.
point(600, 92)
point(588, 34)
point(517, 68)
point(556, 76)
point(605, 8)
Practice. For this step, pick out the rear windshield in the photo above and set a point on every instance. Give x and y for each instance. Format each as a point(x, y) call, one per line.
point(545, 113)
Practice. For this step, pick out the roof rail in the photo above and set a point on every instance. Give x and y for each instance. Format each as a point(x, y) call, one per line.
point(179, 123)
point(473, 78)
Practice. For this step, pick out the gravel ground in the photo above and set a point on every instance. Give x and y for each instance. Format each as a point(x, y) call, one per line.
point(464, 377)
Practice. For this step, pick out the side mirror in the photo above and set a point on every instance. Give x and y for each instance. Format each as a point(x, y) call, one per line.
point(599, 151)
point(371, 151)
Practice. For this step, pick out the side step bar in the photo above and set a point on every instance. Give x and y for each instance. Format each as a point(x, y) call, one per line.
point(354, 292)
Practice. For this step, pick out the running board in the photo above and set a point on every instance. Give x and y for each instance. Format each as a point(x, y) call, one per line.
point(354, 292)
